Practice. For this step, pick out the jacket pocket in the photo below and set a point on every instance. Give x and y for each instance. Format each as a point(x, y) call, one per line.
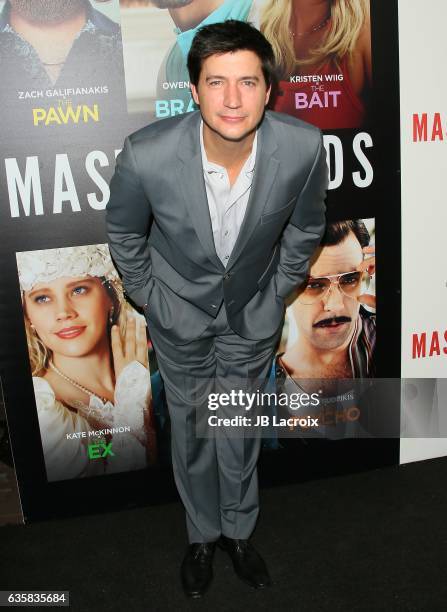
point(164, 272)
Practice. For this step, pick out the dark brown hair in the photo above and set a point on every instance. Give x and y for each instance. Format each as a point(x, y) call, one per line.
point(336, 232)
point(227, 37)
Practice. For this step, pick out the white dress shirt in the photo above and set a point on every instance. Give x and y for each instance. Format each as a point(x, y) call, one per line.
point(227, 204)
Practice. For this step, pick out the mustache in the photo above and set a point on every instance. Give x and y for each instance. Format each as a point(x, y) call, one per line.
point(332, 321)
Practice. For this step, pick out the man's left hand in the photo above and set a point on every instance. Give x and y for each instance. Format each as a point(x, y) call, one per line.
point(368, 265)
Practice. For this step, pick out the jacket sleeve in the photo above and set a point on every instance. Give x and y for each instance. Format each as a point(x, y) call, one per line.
point(128, 218)
point(306, 226)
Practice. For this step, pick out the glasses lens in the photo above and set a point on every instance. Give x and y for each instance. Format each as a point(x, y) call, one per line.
point(349, 283)
point(313, 290)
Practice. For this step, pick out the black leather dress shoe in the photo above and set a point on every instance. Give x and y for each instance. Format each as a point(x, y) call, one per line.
point(248, 563)
point(197, 568)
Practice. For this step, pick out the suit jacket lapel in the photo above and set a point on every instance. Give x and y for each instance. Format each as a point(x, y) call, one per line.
point(192, 186)
point(266, 167)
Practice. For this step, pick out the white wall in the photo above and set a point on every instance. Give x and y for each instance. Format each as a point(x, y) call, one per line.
point(423, 89)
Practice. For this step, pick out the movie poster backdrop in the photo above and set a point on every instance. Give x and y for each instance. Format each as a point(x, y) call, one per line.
point(337, 75)
point(66, 108)
point(325, 76)
point(332, 314)
point(79, 327)
point(77, 407)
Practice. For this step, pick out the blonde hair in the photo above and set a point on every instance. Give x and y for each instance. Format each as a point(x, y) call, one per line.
point(347, 19)
point(40, 355)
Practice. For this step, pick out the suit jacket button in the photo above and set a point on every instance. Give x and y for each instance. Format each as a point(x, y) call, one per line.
point(227, 276)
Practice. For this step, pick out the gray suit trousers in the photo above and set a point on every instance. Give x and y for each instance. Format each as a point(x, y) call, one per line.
point(216, 476)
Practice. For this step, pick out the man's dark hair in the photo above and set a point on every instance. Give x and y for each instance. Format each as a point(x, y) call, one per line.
point(227, 37)
point(338, 231)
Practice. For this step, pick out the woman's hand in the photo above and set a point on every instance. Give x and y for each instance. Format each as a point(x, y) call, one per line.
point(134, 346)
point(368, 265)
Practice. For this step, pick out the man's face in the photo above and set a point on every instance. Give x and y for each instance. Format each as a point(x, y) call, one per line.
point(47, 11)
point(329, 323)
point(171, 4)
point(232, 94)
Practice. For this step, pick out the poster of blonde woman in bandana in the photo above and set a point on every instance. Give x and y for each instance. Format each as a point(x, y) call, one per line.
point(88, 354)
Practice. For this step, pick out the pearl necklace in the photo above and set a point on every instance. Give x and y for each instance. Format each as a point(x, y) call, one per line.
point(75, 384)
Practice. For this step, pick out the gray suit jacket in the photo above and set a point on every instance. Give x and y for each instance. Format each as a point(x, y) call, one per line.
point(160, 232)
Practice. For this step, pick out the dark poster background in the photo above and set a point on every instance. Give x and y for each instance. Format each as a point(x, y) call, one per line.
point(26, 232)
point(312, 458)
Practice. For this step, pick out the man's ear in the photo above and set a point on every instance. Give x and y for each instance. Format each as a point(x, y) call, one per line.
point(267, 95)
point(194, 93)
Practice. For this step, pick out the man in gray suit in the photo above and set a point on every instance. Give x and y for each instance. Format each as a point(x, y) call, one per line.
point(212, 219)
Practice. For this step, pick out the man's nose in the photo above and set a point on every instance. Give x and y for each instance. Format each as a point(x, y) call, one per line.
point(333, 299)
point(232, 97)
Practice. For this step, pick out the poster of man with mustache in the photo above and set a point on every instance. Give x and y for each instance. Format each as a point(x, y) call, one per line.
point(332, 320)
point(329, 338)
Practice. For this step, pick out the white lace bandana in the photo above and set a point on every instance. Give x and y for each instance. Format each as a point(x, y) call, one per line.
point(47, 265)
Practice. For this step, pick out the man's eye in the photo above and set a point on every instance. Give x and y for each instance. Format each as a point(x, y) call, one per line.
point(214, 83)
point(315, 285)
point(249, 83)
point(350, 279)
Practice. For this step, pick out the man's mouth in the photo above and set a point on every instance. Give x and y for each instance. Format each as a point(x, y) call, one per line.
point(333, 322)
point(231, 118)
point(70, 332)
